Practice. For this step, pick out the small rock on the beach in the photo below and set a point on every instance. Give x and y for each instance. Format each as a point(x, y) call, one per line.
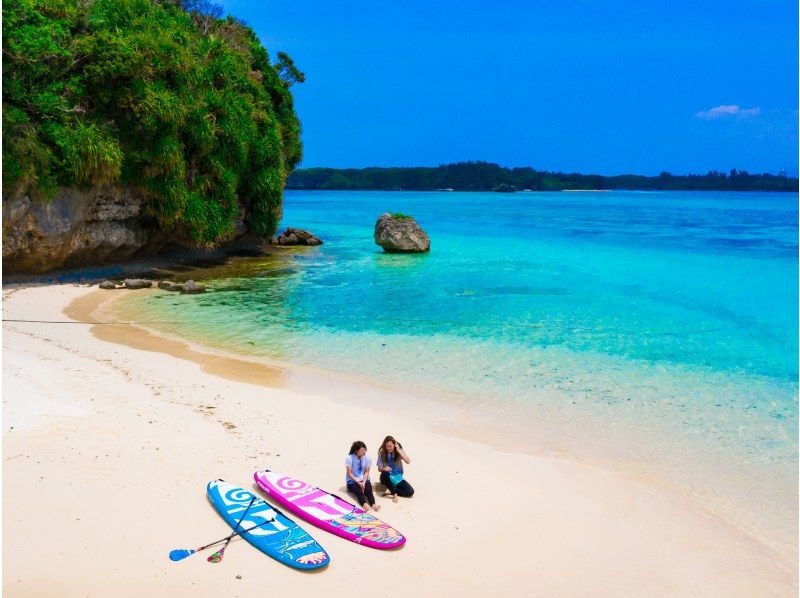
point(137, 283)
point(190, 287)
point(168, 285)
point(108, 284)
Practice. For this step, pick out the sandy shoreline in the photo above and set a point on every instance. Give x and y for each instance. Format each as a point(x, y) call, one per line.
point(759, 501)
point(107, 448)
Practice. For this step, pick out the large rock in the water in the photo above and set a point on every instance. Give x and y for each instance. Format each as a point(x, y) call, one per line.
point(398, 233)
point(297, 236)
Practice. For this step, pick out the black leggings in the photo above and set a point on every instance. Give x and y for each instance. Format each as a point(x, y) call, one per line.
point(362, 496)
point(402, 488)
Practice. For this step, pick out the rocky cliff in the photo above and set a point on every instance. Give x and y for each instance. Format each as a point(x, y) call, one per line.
point(92, 106)
point(96, 226)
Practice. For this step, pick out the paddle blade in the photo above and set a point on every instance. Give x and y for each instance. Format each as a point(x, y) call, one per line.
point(216, 557)
point(180, 554)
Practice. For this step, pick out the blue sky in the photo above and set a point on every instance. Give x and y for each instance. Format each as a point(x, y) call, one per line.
point(604, 87)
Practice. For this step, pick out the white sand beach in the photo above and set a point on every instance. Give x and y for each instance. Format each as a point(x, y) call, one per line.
point(110, 435)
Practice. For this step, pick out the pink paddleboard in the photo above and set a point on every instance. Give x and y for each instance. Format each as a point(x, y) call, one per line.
point(329, 512)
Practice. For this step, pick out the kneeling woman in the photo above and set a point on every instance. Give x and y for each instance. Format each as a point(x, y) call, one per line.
point(357, 464)
point(390, 463)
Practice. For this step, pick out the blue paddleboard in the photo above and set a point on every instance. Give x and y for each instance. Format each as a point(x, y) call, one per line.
point(279, 537)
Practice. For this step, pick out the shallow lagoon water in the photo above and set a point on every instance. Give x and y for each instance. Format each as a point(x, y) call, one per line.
point(660, 326)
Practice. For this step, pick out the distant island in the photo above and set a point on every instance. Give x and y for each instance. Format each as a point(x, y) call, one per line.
point(486, 176)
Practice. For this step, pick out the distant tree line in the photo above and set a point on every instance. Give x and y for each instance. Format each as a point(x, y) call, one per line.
point(486, 176)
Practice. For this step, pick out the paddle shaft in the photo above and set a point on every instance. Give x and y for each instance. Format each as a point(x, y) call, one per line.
point(238, 533)
point(238, 523)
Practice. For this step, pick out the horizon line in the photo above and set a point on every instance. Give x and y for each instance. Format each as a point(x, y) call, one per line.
point(725, 172)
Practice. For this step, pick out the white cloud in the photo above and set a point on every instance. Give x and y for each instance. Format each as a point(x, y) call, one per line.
point(727, 111)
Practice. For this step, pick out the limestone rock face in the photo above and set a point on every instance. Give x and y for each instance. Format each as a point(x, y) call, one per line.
point(297, 236)
point(400, 234)
point(74, 228)
point(90, 227)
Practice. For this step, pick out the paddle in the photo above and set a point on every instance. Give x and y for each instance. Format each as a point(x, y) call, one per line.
point(181, 553)
point(217, 556)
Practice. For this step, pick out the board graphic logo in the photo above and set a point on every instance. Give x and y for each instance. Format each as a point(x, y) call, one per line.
point(236, 501)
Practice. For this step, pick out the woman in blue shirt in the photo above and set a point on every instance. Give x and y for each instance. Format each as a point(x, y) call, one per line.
point(357, 464)
point(391, 457)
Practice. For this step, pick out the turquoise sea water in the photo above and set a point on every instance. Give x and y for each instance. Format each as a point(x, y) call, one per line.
point(661, 325)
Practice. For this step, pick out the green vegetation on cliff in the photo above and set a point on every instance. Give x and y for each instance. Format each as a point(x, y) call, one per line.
point(164, 96)
point(485, 176)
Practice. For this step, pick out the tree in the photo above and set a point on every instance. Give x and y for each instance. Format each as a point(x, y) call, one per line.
point(287, 71)
point(184, 106)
